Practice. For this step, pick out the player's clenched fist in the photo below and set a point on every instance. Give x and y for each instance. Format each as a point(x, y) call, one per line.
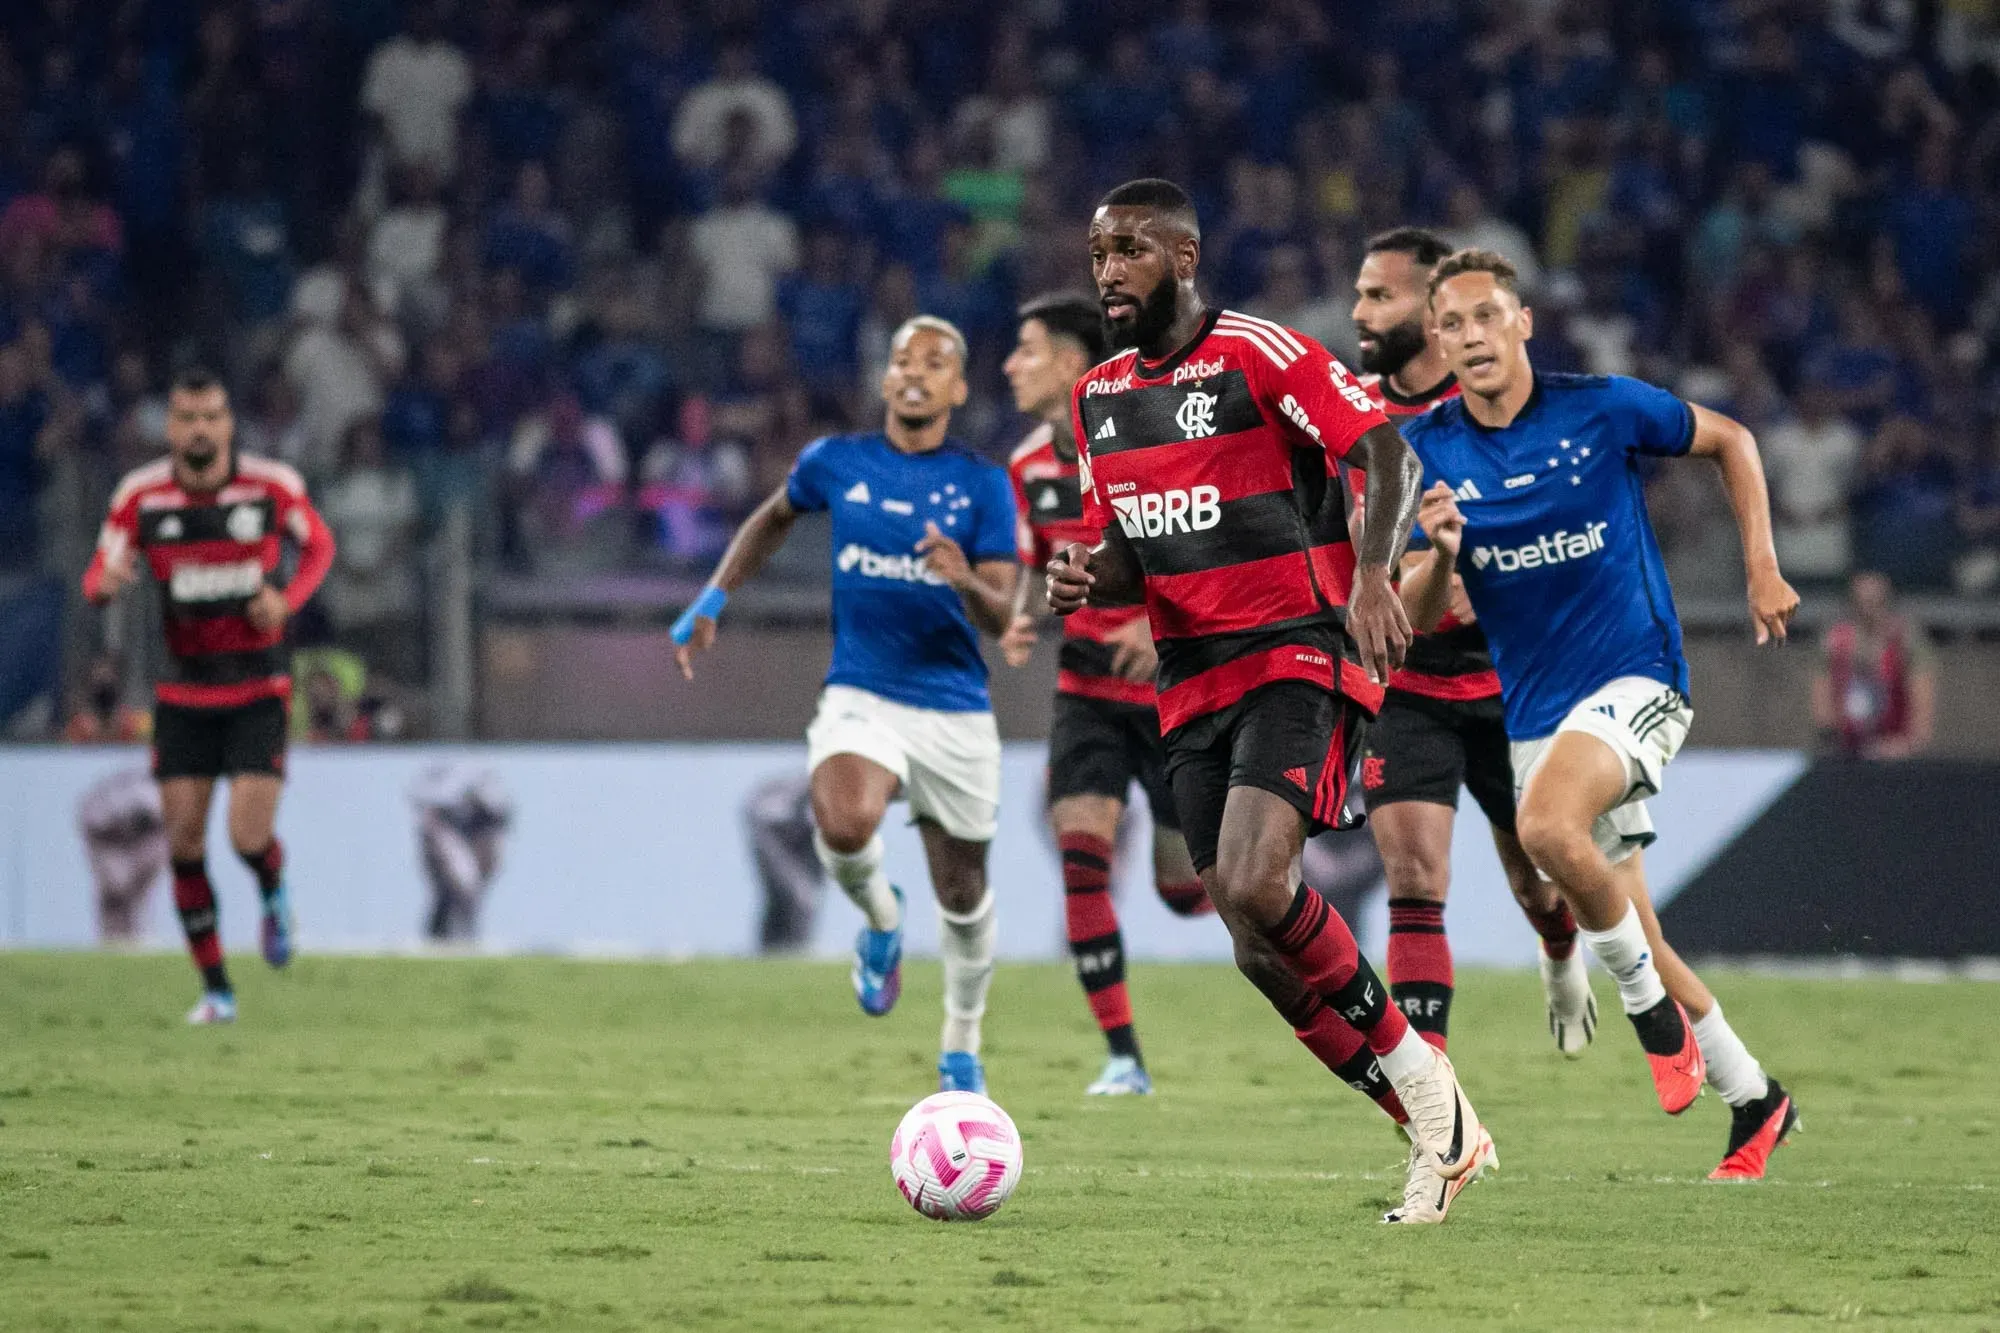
point(1070, 579)
point(1439, 516)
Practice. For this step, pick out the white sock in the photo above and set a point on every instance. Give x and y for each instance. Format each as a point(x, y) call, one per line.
point(859, 875)
point(1412, 1058)
point(1731, 1068)
point(965, 942)
point(1629, 959)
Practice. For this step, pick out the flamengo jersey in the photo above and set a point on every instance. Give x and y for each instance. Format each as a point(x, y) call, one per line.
point(1051, 505)
point(211, 552)
point(1559, 556)
point(898, 631)
point(1216, 464)
point(1451, 662)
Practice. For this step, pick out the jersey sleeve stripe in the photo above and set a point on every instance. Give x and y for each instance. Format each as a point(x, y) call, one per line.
point(1264, 343)
point(282, 475)
point(1286, 338)
point(140, 479)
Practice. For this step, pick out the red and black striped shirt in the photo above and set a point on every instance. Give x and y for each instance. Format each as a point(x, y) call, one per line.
point(1451, 662)
point(1217, 464)
point(211, 552)
point(1050, 503)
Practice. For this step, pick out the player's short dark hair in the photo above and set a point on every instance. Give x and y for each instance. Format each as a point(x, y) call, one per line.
point(196, 379)
point(1424, 246)
point(1071, 316)
point(1162, 196)
point(1475, 261)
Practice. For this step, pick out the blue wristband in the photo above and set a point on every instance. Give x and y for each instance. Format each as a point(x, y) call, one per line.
point(708, 606)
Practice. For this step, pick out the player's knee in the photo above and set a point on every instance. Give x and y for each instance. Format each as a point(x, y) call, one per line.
point(1551, 839)
point(846, 825)
point(1251, 870)
point(1416, 872)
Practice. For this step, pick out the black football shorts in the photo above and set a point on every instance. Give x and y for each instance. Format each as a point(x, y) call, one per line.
point(219, 742)
point(1424, 749)
point(1299, 741)
point(1098, 747)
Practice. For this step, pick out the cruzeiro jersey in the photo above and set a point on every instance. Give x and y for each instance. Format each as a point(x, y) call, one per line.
point(1559, 557)
point(898, 631)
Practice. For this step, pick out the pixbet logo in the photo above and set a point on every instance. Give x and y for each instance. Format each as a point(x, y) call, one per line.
point(855, 558)
point(1551, 548)
point(1196, 370)
point(1157, 513)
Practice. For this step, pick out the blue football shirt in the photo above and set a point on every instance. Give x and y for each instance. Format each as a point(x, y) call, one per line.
point(1559, 557)
point(898, 631)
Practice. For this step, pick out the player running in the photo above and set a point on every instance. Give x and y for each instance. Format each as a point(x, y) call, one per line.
point(923, 542)
point(1208, 452)
point(1104, 733)
point(1534, 479)
point(1440, 727)
point(211, 525)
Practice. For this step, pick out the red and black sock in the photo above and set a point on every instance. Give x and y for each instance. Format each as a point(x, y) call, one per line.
point(194, 899)
point(1557, 927)
point(1420, 966)
point(1317, 945)
point(1335, 1044)
point(269, 868)
point(1094, 942)
point(1188, 899)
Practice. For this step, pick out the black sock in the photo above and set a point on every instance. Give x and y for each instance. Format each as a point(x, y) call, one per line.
point(1661, 1031)
point(1124, 1041)
point(269, 868)
point(194, 899)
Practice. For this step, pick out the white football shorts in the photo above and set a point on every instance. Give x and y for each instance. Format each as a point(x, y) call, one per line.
point(948, 763)
point(1645, 723)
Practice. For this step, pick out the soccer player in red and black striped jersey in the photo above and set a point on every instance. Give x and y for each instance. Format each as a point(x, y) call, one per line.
point(211, 527)
point(1209, 455)
point(1441, 723)
point(1105, 733)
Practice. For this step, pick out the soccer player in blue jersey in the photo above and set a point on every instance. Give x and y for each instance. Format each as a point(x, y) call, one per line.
point(1535, 498)
point(923, 559)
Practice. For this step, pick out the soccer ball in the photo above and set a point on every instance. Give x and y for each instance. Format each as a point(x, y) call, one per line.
point(956, 1157)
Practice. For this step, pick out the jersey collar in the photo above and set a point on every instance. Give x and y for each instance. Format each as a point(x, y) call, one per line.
point(1142, 370)
point(1527, 408)
point(1424, 399)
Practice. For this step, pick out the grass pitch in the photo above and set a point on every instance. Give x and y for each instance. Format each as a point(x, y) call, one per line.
point(538, 1144)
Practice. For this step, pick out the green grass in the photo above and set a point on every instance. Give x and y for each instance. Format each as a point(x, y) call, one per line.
point(538, 1144)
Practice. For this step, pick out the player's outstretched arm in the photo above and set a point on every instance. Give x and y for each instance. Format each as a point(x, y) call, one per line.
point(1375, 615)
point(1426, 585)
point(754, 543)
point(1734, 449)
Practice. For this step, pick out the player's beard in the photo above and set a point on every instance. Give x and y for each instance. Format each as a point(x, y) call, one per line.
point(1394, 349)
point(1156, 315)
point(200, 456)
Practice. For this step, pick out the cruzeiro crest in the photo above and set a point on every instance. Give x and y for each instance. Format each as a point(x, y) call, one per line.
point(1196, 417)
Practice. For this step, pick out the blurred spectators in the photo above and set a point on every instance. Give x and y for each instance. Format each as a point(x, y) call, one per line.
point(371, 593)
point(592, 264)
point(1875, 696)
point(98, 712)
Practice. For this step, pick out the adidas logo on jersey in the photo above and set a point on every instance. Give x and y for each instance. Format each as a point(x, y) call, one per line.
point(1108, 431)
point(1467, 492)
point(856, 558)
point(1555, 548)
point(858, 493)
point(1050, 499)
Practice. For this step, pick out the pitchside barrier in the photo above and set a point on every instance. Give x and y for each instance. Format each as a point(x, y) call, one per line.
point(642, 850)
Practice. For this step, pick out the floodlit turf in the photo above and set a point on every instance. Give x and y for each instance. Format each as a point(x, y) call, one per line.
point(548, 1145)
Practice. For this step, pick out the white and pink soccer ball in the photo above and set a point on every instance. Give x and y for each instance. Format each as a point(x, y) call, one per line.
point(956, 1157)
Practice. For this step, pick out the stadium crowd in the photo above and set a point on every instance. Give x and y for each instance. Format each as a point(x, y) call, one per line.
point(595, 272)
